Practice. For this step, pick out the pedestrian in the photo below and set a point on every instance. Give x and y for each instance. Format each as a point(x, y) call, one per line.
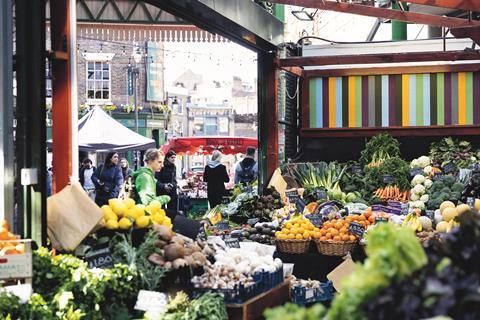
point(247, 170)
point(145, 182)
point(86, 173)
point(108, 179)
point(167, 180)
point(215, 175)
point(126, 171)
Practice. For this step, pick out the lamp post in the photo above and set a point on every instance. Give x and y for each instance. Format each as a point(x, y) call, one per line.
point(137, 56)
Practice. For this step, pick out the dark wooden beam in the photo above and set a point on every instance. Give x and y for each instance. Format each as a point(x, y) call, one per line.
point(294, 70)
point(379, 58)
point(467, 32)
point(467, 67)
point(452, 4)
point(394, 131)
point(370, 11)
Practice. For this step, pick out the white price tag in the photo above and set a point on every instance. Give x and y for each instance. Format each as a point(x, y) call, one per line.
point(151, 301)
point(16, 266)
point(309, 294)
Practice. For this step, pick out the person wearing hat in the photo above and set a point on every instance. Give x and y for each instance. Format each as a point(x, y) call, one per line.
point(215, 175)
point(246, 171)
point(167, 180)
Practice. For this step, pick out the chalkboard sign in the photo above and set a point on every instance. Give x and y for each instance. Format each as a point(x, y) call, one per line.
point(357, 169)
point(252, 221)
point(232, 243)
point(292, 196)
point(380, 219)
point(438, 176)
point(449, 167)
point(471, 202)
point(430, 214)
point(226, 200)
point(316, 220)
point(222, 225)
point(300, 205)
point(388, 179)
point(99, 258)
point(321, 195)
point(415, 171)
point(356, 229)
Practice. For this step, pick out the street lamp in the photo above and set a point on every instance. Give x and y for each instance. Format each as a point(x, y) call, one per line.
point(137, 57)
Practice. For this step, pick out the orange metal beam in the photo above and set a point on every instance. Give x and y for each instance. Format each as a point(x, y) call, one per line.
point(61, 94)
point(364, 10)
point(452, 4)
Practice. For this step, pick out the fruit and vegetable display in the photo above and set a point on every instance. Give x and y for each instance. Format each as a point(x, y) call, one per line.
point(299, 229)
point(444, 189)
point(378, 149)
point(125, 214)
point(260, 232)
point(9, 243)
point(453, 151)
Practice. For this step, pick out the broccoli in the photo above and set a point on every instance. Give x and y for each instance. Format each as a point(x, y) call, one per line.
point(457, 187)
point(445, 190)
point(437, 186)
point(448, 180)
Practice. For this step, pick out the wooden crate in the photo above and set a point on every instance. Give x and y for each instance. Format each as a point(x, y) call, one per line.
point(253, 308)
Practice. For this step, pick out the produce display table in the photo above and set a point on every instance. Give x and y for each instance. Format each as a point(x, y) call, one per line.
point(254, 308)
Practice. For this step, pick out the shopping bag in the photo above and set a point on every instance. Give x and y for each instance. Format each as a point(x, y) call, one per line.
point(278, 182)
point(71, 216)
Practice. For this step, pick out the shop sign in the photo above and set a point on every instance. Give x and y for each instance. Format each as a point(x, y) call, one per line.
point(321, 195)
point(151, 301)
point(356, 229)
point(438, 176)
point(100, 258)
point(357, 169)
point(226, 200)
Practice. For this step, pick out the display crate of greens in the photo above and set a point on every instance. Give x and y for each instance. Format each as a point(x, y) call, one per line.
point(302, 295)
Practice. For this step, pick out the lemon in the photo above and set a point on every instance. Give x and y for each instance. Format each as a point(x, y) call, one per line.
point(151, 209)
point(125, 223)
point(110, 216)
point(111, 224)
point(167, 222)
point(118, 206)
point(141, 206)
point(130, 203)
point(162, 212)
point(106, 209)
point(158, 218)
point(131, 213)
point(142, 222)
point(139, 209)
point(156, 204)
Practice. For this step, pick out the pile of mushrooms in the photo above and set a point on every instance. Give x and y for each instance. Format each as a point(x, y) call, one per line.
point(177, 251)
point(221, 277)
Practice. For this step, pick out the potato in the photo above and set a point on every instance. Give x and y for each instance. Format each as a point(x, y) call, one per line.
point(157, 259)
point(164, 232)
point(173, 251)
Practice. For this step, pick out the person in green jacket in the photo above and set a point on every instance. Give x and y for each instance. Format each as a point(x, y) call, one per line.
point(144, 178)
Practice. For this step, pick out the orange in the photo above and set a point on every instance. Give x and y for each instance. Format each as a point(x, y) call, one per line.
point(310, 226)
point(371, 219)
point(5, 225)
point(288, 225)
point(361, 217)
point(306, 235)
point(298, 237)
point(352, 238)
point(323, 238)
point(345, 237)
point(3, 234)
point(333, 231)
point(290, 236)
point(301, 230)
point(343, 230)
point(323, 232)
point(296, 225)
point(328, 235)
point(338, 225)
point(336, 238)
point(317, 235)
point(349, 218)
point(363, 223)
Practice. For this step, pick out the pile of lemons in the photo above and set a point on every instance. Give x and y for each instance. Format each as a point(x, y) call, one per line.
point(123, 214)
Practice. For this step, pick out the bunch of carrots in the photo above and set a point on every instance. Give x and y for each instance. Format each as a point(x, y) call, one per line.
point(391, 193)
point(374, 164)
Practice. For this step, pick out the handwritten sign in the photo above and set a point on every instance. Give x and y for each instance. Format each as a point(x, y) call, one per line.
point(252, 221)
point(449, 167)
point(222, 225)
point(16, 266)
point(357, 169)
point(321, 195)
point(471, 202)
point(225, 200)
point(300, 204)
point(405, 208)
point(316, 220)
point(151, 301)
point(438, 176)
point(356, 229)
point(292, 196)
point(415, 171)
point(232, 243)
point(430, 214)
point(99, 258)
point(202, 234)
point(388, 179)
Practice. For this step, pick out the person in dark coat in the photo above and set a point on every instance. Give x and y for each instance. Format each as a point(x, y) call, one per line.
point(126, 171)
point(215, 175)
point(167, 180)
point(108, 179)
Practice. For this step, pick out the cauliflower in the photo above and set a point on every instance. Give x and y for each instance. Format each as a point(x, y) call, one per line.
point(424, 198)
point(418, 189)
point(418, 179)
point(424, 161)
point(414, 163)
point(419, 205)
point(414, 197)
point(428, 169)
point(427, 183)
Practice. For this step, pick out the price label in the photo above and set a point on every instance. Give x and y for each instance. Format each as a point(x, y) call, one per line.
point(380, 220)
point(300, 205)
point(356, 229)
point(388, 179)
point(405, 208)
point(449, 167)
point(357, 169)
point(430, 214)
point(438, 176)
point(378, 208)
point(232, 243)
point(316, 220)
point(99, 258)
point(252, 221)
point(471, 202)
point(222, 225)
point(309, 293)
point(151, 301)
point(292, 196)
point(225, 200)
point(415, 171)
point(202, 233)
point(321, 195)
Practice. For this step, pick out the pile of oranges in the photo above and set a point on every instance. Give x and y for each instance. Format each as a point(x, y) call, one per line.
point(337, 229)
point(8, 243)
point(298, 229)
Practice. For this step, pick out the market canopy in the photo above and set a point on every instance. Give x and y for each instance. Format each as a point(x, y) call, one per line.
point(206, 145)
point(97, 131)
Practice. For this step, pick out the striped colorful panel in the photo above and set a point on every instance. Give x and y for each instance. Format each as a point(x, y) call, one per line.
point(395, 100)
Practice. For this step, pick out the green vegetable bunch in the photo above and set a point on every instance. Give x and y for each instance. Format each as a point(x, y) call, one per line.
point(35, 309)
point(449, 150)
point(380, 148)
point(445, 189)
point(398, 168)
point(393, 253)
point(292, 311)
point(209, 306)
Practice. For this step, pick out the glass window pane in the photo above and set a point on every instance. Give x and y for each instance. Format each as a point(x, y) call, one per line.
point(90, 85)
point(105, 66)
point(98, 75)
point(106, 75)
point(106, 94)
point(98, 66)
point(90, 94)
point(98, 94)
point(90, 74)
point(91, 65)
point(98, 85)
point(105, 85)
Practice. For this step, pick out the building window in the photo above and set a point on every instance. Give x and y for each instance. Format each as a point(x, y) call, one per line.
point(211, 126)
point(98, 80)
point(198, 126)
point(223, 125)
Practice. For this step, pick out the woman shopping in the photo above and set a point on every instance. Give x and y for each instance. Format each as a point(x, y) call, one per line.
point(108, 179)
point(215, 176)
point(167, 180)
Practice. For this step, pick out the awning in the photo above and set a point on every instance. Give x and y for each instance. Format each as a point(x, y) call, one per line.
point(206, 145)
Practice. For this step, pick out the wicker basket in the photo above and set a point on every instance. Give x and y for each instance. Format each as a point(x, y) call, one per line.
point(292, 245)
point(333, 248)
